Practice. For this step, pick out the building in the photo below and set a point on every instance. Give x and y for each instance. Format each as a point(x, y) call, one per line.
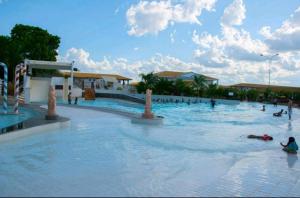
point(36, 88)
point(185, 76)
point(262, 87)
point(100, 82)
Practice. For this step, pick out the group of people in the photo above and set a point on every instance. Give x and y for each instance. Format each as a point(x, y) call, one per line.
point(170, 100)
point(279, 114)
point(188, 101)
point(291, 146)
point(70, 99)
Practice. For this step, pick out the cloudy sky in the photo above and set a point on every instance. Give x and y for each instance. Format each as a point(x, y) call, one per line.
point(221, 38)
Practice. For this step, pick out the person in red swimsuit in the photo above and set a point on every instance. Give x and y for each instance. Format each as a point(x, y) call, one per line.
point(265, 137)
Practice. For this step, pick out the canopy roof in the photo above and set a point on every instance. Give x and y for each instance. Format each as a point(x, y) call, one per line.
point(38, 64)
point(95, 75)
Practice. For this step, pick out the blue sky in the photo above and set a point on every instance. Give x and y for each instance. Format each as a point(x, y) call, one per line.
point(130, 37)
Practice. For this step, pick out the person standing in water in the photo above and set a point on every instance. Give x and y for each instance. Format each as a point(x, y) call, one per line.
point(69, 98)
point(290, 106)
point(76, 100)
point(212, 102)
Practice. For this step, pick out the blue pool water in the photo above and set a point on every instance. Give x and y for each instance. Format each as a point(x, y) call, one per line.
point(12, 119)
point(198, 151)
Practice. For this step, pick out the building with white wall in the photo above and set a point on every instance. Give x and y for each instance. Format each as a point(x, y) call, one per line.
point(36, 88)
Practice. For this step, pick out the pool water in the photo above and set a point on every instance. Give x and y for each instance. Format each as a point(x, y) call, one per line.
point(12, 119)
point(198, 151)
point(114, 104)
point(227, 124)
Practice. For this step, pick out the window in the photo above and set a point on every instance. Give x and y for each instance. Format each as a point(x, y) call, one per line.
point(59, 87)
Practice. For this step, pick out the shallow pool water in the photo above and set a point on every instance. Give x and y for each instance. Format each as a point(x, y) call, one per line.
point(7, 120)
point(199, 151)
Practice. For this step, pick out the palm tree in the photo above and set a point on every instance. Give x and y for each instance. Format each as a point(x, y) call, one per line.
point(199, 84)
point(212, 90)
point(150, 80)
point(163, 86)
point(179, 87)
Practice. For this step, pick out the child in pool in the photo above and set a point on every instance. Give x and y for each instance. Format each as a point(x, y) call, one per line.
point(291, 146)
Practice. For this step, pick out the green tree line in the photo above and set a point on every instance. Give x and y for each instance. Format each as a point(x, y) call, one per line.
point(200, 88)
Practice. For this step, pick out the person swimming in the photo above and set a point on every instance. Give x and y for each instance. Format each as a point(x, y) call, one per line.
point(189, 102)
point(291, 146)
point(265, 137)
point(278, 114)
point(263, 108)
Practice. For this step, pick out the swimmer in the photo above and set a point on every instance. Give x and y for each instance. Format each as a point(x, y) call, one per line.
point(264, 137)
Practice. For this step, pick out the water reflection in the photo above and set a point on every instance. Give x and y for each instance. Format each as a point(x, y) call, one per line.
point(290, 127)
point(291, 160)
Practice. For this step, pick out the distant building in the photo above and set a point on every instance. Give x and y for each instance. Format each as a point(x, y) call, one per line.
point(100, 82)
point(262, 87)
point(185, 76)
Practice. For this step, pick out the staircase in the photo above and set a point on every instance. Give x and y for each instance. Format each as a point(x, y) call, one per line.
point(89, 94)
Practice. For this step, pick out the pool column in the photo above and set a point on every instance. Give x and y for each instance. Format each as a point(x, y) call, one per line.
point(5, 87)
point(19, 70)
point(26, 83)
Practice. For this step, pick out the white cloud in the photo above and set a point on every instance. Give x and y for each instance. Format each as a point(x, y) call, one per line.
point(234, 14)
point(151, 17)
point(136, 49)
point(287, 36)
point(122, 66)
point(266, 32)
point(233, 45)
point(234, 73)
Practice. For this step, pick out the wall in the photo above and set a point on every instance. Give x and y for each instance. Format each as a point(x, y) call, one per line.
point(39, 88)
point(121, 96)
point(58, 81)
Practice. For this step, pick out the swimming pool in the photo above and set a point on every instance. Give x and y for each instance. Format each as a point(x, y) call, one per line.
point(228, 124)
point(12, 119)
point(198, 151)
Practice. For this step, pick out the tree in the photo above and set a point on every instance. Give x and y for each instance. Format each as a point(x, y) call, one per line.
point(179, 87)
point(268, 93)
point(212, 90)
point(141, 87)
point(243, 94)
point(28, 42)
point(252, 94)
point(4, 51)
point(199, 84)
point(150, 80)
point(163, 87)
